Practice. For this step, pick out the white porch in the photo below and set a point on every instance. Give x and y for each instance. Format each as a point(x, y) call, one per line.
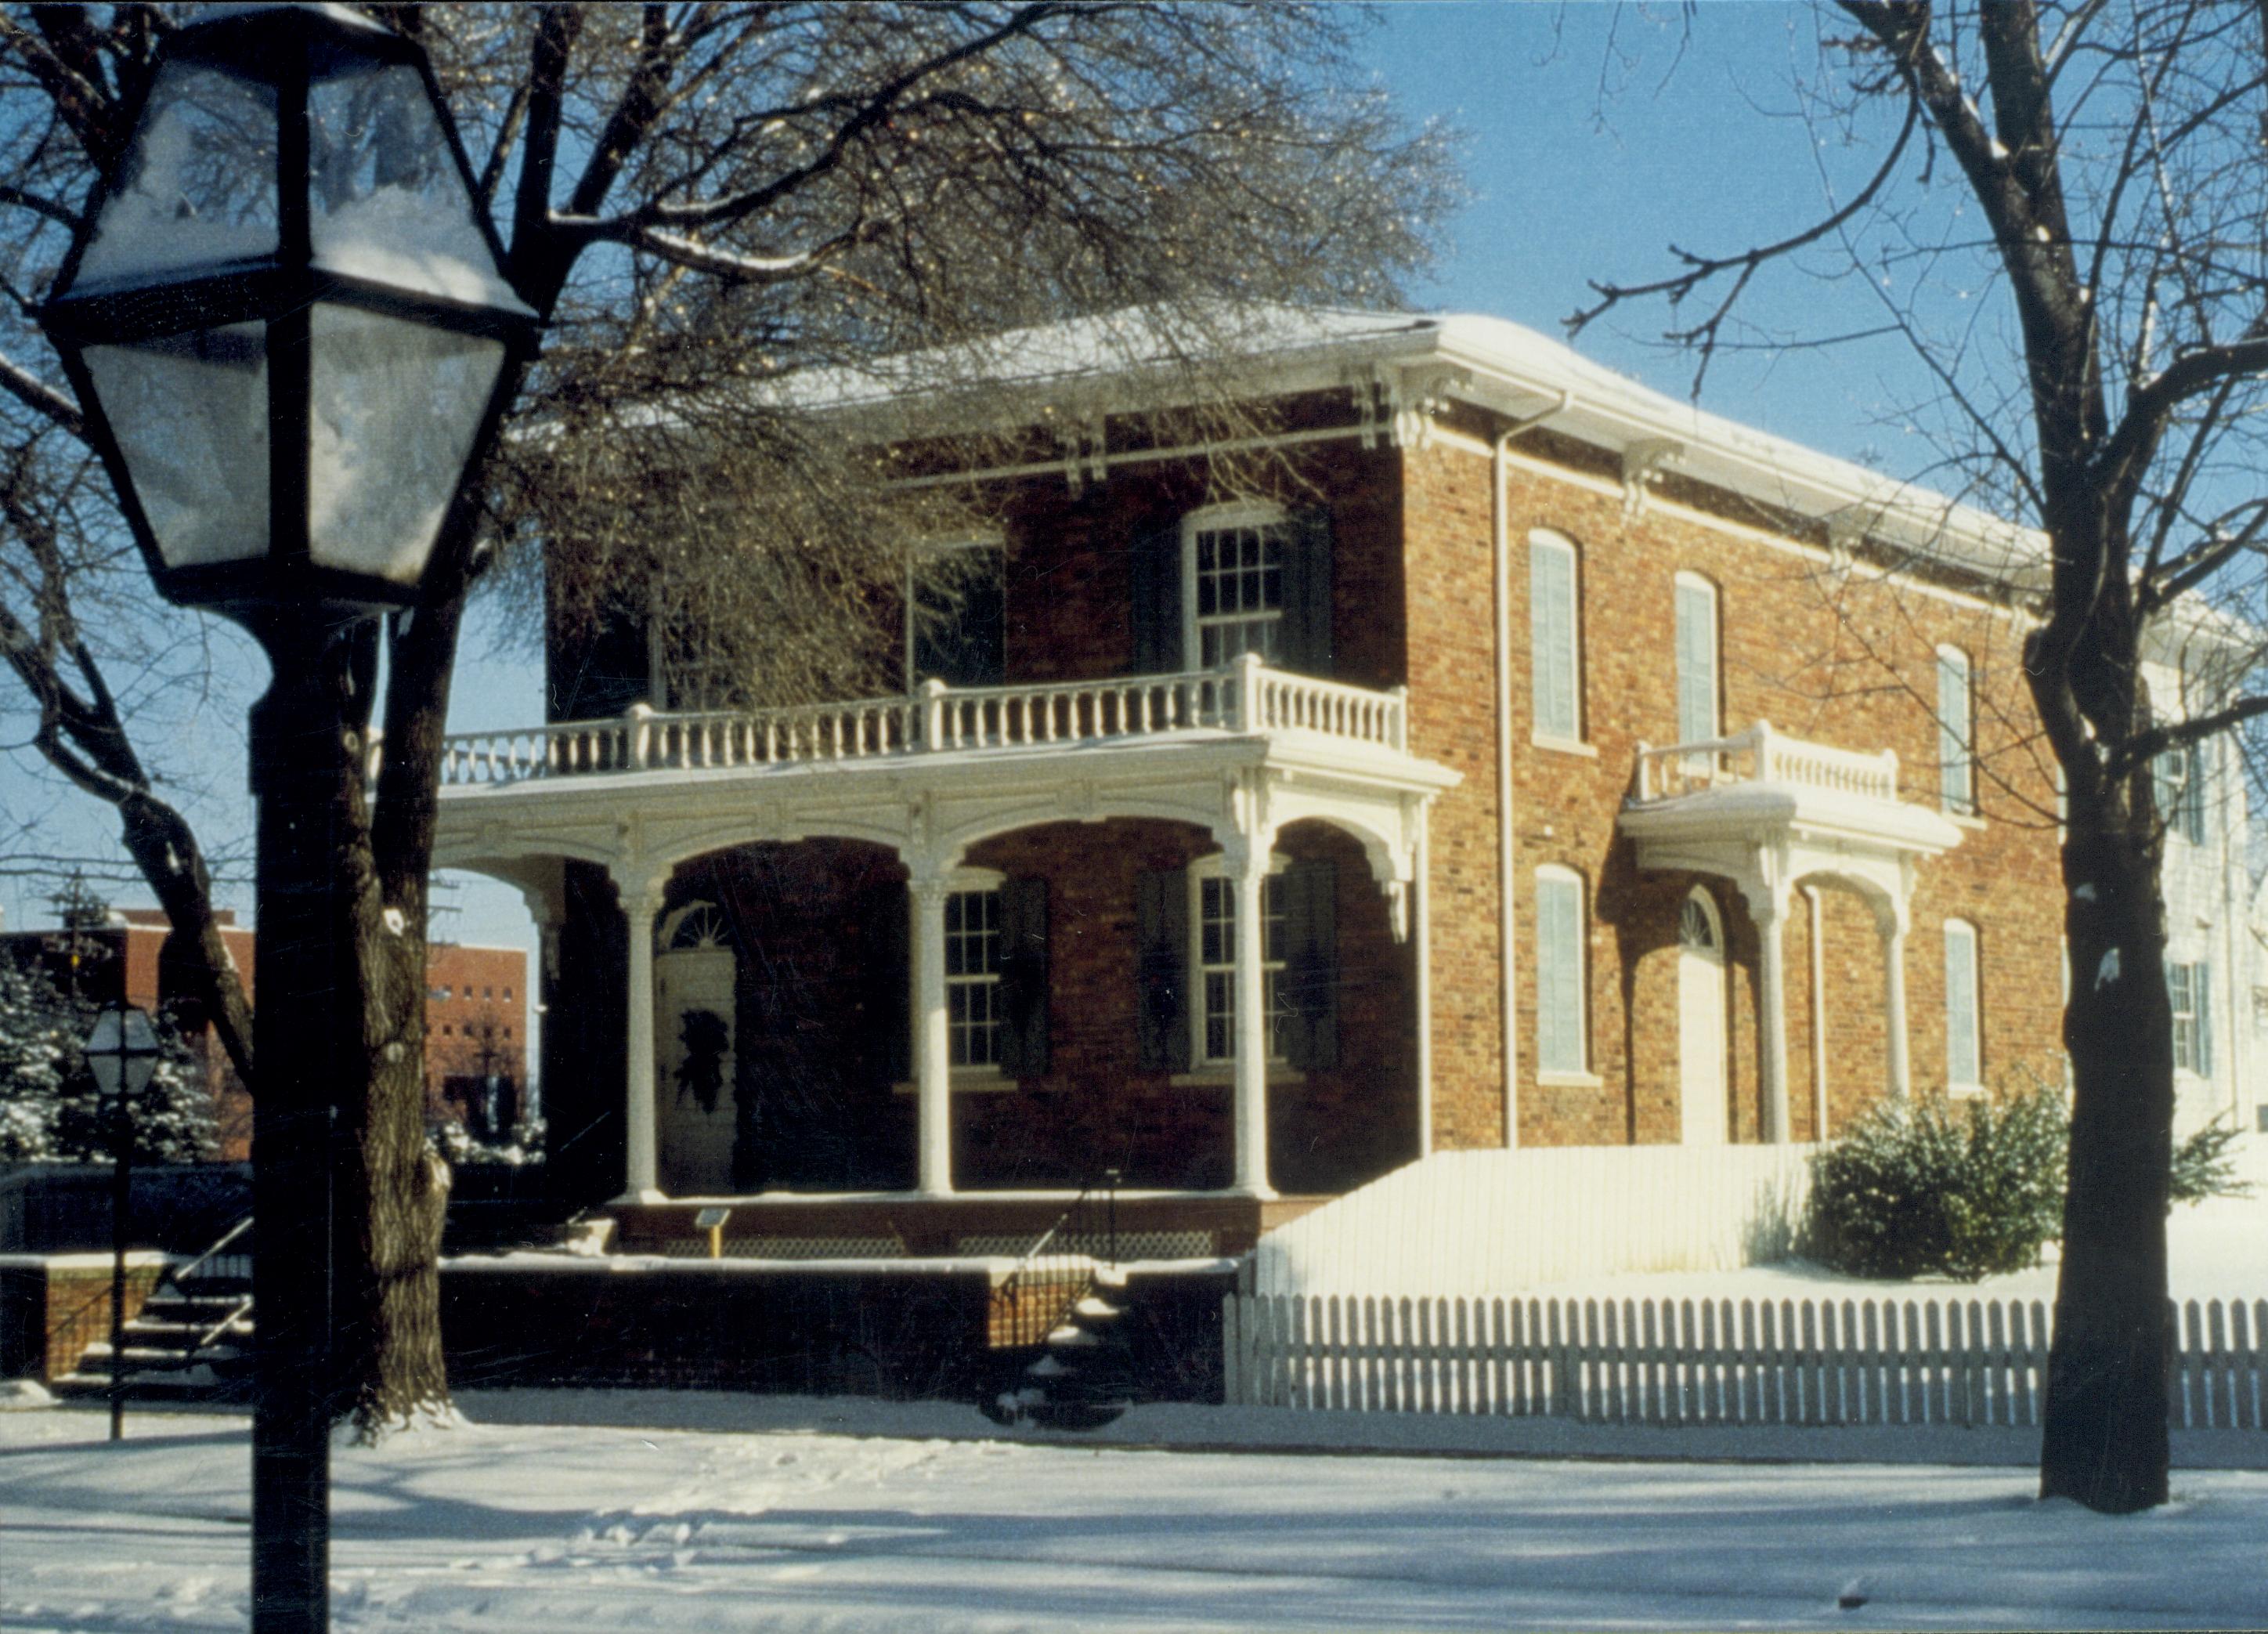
point(1240, 753)
point(1766, 810)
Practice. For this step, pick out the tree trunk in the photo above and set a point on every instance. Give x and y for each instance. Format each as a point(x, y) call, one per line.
point(2105, 1441)
point(394, 1192)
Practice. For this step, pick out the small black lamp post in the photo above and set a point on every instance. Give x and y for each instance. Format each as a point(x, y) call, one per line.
point(122, 1052)
point(288, 324)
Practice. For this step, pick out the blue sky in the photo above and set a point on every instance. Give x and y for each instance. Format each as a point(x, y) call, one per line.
point(1570, 182)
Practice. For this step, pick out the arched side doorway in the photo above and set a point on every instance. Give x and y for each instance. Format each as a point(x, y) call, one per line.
point(1701, 1005)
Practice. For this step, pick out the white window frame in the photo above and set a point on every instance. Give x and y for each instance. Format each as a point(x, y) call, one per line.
point(1214, 870)
point(1261, 514)
point(1562, 1060)
point(1956, 746)
point(2181, 791)
point(1962, 962)
point(1683, 586)
point(960, 990)
point(1544, 543)
point(916, 549)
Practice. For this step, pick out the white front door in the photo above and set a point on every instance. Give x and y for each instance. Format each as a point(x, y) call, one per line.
point(693, 1017)
point(1701, 1022)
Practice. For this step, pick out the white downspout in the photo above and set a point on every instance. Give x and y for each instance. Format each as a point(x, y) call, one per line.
point(1818, 1015)
point(1508, 932)
point(2234, 927)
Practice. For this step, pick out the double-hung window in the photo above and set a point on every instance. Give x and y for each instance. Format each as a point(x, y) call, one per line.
point(956, 613)
point(1964, 1055)
point(1555, 640)
point(1237, 572)
point(1560, 1026)
point(973, 993)
point(2179, 784)
point(2189, 988)
point(1698, 717)
point(1956, 734)
point(1215, 924)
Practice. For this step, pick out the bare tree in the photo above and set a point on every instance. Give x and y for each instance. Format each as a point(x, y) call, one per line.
point(2101, 173)
point(704, 199)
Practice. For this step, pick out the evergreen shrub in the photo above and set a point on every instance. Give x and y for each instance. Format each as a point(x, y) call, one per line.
point(1922, 1186)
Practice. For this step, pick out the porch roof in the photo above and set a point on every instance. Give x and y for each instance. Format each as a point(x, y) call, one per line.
point(1764, 809)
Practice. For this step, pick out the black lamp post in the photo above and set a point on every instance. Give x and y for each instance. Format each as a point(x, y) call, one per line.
point(288, 324)
point(122, 1052)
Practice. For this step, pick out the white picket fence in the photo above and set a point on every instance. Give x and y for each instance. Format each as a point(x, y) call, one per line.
point(1973, 1362)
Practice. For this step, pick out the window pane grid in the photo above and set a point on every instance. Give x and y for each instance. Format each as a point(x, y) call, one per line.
point(1963, 1057)
point(1559, 975)
point(2188, 991)
point(1696, 663)
point(1955, 729)
point(1551, 612)
point(1217, 962)
point(1240, 593)
point(972, 977)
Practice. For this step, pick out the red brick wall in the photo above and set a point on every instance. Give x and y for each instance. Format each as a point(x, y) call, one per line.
point(1842, 659)
point(1070, 589)
point(475, 1014)
point(1449, 615)
point(1329, 1128)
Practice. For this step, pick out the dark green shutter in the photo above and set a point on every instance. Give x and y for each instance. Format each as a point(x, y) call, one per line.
point(1024, 977)
point(1156, 571)
point(890, 1003)
point(1309, 981)
point(1161, 931)
point(1306, 637)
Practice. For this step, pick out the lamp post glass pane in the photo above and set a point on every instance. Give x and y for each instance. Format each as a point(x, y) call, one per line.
point(190, 415)
point(198, 188)
point(396, 407)
point(385, 198)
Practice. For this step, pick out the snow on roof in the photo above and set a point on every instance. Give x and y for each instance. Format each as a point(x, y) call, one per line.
point(1492, 362)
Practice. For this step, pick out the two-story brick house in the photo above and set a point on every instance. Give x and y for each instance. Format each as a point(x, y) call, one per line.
point(1536, 762)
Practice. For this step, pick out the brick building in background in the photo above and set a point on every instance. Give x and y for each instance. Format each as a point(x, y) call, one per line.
point(475, 1011)
point(1530, 759)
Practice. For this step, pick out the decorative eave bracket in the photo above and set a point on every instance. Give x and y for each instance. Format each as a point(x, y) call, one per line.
point(1642, 463)
point(1397, 405)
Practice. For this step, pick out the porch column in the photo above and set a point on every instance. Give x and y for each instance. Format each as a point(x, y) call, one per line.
point(1893, 921)
point(932, 1036)
point(641, 900)
point(1769, 909)
point(1247, 863)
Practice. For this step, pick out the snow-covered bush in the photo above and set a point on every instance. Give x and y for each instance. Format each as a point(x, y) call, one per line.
point(1920, 1186)
point(49, 1105)
point(2203, 1167)
point(459, 1146)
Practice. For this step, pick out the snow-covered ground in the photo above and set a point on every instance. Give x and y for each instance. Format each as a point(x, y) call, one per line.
point(522, 1527)
point(623, 1510)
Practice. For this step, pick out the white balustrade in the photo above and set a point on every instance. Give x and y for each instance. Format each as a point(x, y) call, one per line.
point(1760, 755)
point(1248, 698)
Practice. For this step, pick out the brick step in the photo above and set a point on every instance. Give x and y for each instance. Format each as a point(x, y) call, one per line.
point(201, 1383)
point(191, 1313)
point(183, 1335)
point(162, 1358)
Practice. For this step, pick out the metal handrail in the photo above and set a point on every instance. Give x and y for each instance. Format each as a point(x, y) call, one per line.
point(175, 1274)
point(1022, 1282)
